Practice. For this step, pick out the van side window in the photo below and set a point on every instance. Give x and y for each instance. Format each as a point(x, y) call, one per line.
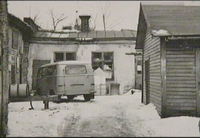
point(47, 71)
point(75, 69)
point(50, 70)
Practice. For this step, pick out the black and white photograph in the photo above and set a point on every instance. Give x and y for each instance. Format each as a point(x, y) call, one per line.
point(78, 68)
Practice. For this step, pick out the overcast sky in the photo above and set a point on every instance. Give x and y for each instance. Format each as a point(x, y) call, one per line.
point(118, 14)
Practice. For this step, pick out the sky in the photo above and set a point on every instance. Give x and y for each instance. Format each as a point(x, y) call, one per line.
point(118, 14)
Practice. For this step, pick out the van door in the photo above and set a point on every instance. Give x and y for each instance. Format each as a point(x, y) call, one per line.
point(47, 80)
point(76, 79)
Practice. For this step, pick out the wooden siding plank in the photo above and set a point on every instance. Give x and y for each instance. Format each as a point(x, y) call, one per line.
point(180, 56)
point(152, 50)
point(198, 81)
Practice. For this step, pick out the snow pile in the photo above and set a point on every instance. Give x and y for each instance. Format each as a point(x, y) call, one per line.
point(175, 126)
point(117, 115)
point(37, 122)
point(160, 32)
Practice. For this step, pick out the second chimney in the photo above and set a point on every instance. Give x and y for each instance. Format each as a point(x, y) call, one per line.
point(85, 23)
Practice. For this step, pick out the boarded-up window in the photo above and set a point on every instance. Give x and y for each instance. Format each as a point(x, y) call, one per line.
point(64, 56)
point(13, 72)
point(104, 60)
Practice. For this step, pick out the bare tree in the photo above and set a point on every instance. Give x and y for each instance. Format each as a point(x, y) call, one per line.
point(56, 20)
point(94, 22)
point(35, 17)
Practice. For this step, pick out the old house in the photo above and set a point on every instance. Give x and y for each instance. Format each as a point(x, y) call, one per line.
point(105, 50)
point(19, 34)
point(169, 38)
point(14, 35)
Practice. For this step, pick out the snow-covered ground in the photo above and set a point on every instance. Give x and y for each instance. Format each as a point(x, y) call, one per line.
point(120, 115)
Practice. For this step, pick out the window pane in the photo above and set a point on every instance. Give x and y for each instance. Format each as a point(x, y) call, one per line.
point(75, 69)
point(59, 57)
point(108, 56)
point(139, 62)
point(71, 56)
point(97, 60)
point(108, 59)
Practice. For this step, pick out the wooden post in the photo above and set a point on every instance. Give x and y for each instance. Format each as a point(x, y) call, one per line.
point(4, 68)
point(104, 24)
point(163, 76)
point(46, 102)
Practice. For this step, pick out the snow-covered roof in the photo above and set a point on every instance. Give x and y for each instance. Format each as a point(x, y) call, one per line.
point(91, 35)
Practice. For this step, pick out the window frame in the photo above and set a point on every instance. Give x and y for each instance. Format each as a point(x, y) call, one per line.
point(103, 62)
point(64, 55)
point(75, 73)
point(15, 39)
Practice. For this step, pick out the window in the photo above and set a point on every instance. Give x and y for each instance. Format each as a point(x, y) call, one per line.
point(14, 39)
point(104, 60)
point(59, 57)
point(64, 56)
point(75, 69)
point(70, 56)
point(47, 71)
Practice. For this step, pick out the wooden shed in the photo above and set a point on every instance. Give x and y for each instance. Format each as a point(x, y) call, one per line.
point(169, 37)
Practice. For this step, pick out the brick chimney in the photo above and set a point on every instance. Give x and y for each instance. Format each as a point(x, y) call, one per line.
point(85, 23)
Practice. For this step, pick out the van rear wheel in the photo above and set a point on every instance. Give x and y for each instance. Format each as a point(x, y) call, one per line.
point(59, 99)
point(70, 97)
point(87, 97)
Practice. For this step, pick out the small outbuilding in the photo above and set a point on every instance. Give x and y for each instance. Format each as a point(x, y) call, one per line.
point(169, 37)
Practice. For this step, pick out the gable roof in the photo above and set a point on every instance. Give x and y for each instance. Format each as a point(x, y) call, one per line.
point(173, 20)
point(18, 23)
point(177, 20)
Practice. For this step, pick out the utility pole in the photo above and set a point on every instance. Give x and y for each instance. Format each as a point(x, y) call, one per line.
point(4, 73)
point(104, 24)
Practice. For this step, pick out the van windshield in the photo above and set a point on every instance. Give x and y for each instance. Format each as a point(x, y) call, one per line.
point(47, 71)
point(75, 69)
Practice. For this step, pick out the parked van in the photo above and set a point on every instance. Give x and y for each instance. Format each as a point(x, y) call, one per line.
point(66, 78)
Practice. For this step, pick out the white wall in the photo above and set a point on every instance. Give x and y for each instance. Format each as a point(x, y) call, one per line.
point(124, 66)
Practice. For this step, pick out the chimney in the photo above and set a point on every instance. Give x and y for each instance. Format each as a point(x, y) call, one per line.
point(85, 23)
point(30, 21)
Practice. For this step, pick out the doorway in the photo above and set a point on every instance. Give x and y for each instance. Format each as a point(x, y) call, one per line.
point(147, 80)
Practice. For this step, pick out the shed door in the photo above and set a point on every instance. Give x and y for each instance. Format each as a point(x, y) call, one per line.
point(147, 81)
point(181, 80)
point(36, 65)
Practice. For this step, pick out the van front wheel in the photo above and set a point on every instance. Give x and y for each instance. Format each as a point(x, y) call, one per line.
point(87, 97)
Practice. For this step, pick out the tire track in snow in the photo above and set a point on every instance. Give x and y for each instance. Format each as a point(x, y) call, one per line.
point(99, 125)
